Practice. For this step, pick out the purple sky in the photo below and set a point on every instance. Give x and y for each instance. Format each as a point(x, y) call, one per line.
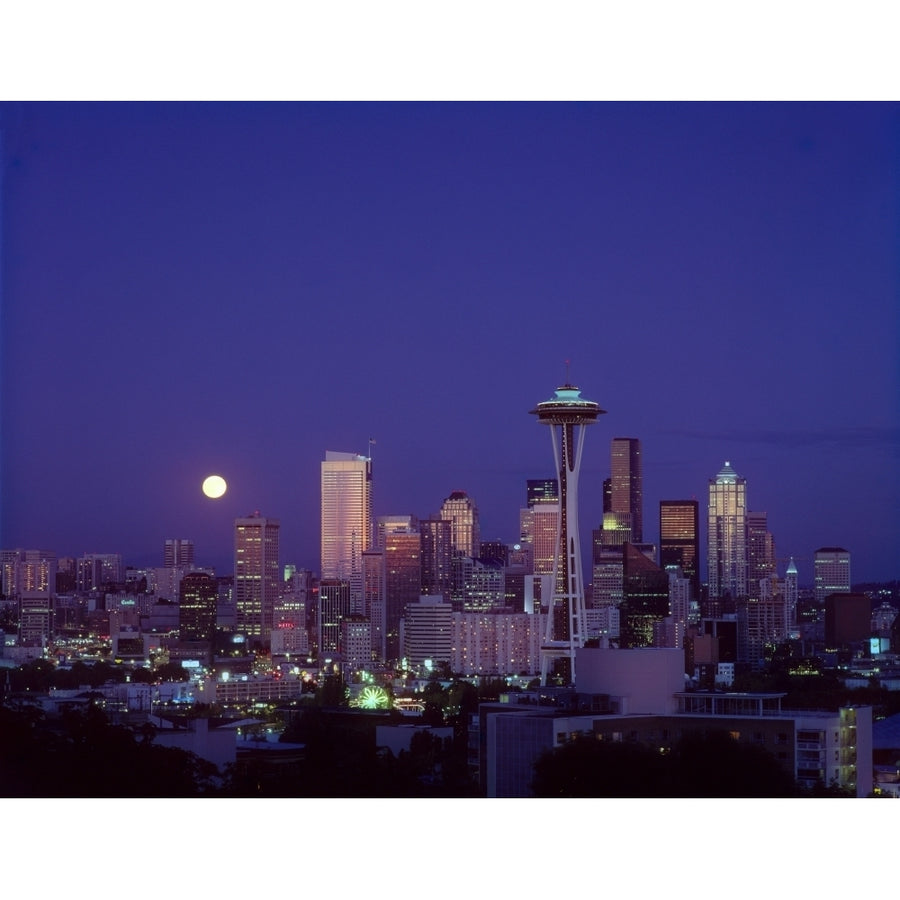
point(192, 288)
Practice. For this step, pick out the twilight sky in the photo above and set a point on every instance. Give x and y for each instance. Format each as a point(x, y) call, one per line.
point(237, 288)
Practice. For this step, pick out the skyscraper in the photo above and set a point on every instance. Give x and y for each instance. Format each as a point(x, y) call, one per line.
point(791, 594)
point(832, 572)
point(436, 555)
point(346, 517)
point(541, 490)
point(465, 533)
point(645, 601)
point(760, 552)
point(544, 538)
point(178, 552)
point(727, 555)
point(94, 570)
point(197, 607)
point(679, 539)
point(403, 580)
point(333, 608)
point(375, 602)
point(566, 413)
point(539, 524)
point(627, 493)
point(257, 577)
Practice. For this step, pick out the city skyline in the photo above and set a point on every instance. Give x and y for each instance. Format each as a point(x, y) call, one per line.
point(231, 288)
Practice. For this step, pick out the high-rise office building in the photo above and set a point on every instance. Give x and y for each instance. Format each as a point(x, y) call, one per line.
point(428, 632)
point(645, 602)
point(403, 580)
point(437, 552)
point(680, 590)
point(290, 614)
point(567, 414)
point(27, 572)
point(541, 490)
point(375, 603)
point(616, 530)
point(478, 585)
point(791, 594)
point(94, 570)
point(679, 539)
point(495, 550)
point(356, 645)
point(178, 552)
point(386, 524)
point(257, 576)
point(832, 572)
point(334, 607)
point(465, 531)
point(346, 517)
point(848, 620)
point(727, 554)
point(197, 604)
point(607, 570)
point(760, 553)
point(539, 523)
point(627, 483)
point(544, 537)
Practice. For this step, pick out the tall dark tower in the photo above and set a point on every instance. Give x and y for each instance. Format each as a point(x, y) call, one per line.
point(567, 413)
point(626, 489)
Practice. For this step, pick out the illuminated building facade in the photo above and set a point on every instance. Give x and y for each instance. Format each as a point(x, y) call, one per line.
point(567, 414)
point(627, 492)
point(679, 539)
point(290, 634)
point(427, 632)
point(832, 572)
point(257, 576)
point(334, 607)
point(375, 601)
point(497, 643)
point(437, 553)
point(178, 552)
point(346, 517)
point(198, 598)
point(465, 531)
point(760, 552)
point(94, 570)
point(403, 580)
point(727, 554)
point(541, 490)
point(27, 571)
point(679, 604)
point(791, 594)
point(542, 524)
point(645, 600)
point(356, 644)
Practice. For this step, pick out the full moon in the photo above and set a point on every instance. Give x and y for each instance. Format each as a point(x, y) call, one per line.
point(214, 486)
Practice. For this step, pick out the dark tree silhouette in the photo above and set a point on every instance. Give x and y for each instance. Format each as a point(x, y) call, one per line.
point(710, 765)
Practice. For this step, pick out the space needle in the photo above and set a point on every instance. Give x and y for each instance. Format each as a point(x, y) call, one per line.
point(567, 413)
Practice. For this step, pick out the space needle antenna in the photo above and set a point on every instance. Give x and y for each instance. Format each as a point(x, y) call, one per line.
point(568, 362)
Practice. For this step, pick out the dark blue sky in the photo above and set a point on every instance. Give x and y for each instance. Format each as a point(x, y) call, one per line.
point(197, 288)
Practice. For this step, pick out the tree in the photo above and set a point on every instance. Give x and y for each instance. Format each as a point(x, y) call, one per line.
point(171, 671)
point(81, 754)
point(332, 692)
point(589, 768)
point(699, 765)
